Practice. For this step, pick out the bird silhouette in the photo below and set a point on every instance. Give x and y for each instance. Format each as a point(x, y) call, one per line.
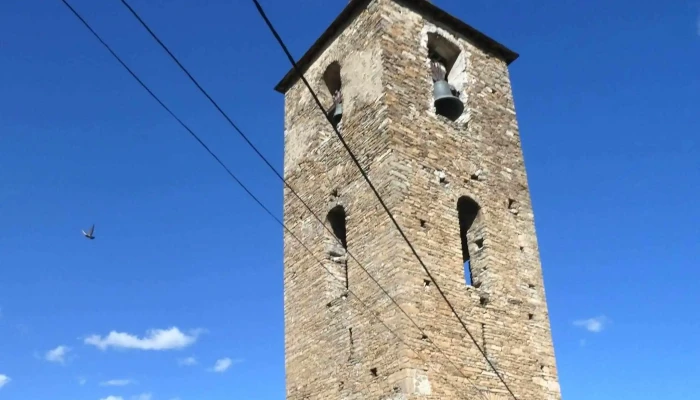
point(89, 234)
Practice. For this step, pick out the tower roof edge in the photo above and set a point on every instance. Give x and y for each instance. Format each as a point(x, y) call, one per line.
point(425, 8)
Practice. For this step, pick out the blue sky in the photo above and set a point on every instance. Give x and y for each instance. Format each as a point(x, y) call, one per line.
point(187, 272)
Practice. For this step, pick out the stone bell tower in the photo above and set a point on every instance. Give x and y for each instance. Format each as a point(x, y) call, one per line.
point(425, 103)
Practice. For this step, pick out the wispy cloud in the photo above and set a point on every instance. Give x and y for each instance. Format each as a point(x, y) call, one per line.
point(155, 339)
point(117, 382)
point(223, 364)
point(112, 398)
point(188, 362)
point(594, 325)
point(143, 396)
point(82, 381)
point(4, 380)
point(57, 355)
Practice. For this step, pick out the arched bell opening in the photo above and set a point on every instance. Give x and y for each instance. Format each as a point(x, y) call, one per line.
point(334, 84)
point(443, 55)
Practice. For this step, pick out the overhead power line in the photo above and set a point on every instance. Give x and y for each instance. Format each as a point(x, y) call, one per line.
point(374, 190)
point(235, 178)
point(287, 184)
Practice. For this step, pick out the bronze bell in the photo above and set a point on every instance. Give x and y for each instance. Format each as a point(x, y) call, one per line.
point(446, 103)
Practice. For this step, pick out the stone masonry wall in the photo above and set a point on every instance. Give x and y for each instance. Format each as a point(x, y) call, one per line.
point(335, 347)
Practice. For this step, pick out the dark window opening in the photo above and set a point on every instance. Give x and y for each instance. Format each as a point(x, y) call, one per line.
point(332, 77)
point(467, 211)
point(336, 217)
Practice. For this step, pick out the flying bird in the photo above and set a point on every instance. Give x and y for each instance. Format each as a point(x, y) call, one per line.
point(89, 234)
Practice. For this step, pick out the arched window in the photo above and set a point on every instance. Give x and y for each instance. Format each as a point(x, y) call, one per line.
point(468, 213)
point(335, 85)
point(338, 244)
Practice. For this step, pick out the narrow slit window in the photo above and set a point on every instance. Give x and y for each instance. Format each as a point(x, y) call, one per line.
point(339, 243)
point(467, 212)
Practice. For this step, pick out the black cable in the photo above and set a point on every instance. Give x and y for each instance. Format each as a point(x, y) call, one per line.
point(376, 193)
point(243, 135)
point(232, 175)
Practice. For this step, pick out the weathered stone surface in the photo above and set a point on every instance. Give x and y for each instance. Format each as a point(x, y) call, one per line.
point(421, 163)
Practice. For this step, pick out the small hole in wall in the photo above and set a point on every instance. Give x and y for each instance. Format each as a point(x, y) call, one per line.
point(422, 223)
point(329, 305)
point(474, 177)
point(522, 248)
point(530, 285)
point(530, 316)
point(424, 337)
point(442, 177)
point(483, 301)
point(542, 367)
point(334, 193)
point(341, 385)
point(479, 243)
point(373, 371)
point(476, 284)
point(512, 207)
point(426, 283)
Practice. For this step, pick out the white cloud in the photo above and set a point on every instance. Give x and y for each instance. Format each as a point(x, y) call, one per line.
point(594, 325)
point(189, 361)
point(143, 396)
point(223, 364)
point(4, 380)
point(155, 339)
point(57, 355)
point(112, 398)
point(82, 381)
point(117, 382)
